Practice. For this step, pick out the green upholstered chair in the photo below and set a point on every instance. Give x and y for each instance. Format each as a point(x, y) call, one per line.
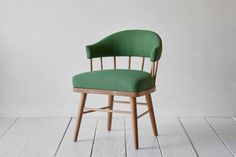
point(121, 82)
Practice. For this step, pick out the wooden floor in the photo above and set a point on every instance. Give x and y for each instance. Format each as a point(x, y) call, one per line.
point(178, 137)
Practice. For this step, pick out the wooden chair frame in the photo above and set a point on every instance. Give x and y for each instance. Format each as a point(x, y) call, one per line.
point(109, 108)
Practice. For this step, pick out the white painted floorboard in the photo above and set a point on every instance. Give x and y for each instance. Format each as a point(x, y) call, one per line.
point(204, 139)
point(33, 137)
point(148, 144)
point(173, 140)
point(109, 143)
point(234, 118)
point(84, 143)
point(5, 124)
point(187, 137)
point(226, 130)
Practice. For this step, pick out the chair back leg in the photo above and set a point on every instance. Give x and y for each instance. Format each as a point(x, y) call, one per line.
point(109, 114)
point(134, 121)
point(83, 97)
point(151, 113)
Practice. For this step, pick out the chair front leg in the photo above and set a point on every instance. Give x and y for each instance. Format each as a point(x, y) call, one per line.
point(83, 97)
point(151, 113)
point(109, 114)
point(134, 121)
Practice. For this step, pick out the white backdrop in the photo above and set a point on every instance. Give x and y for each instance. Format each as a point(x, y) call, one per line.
point(42, 46)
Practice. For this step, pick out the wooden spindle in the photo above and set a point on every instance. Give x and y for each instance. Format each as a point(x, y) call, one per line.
point(114, 59)
point(143, 60)
point(91, 64)
point(155, 75)
point(152, 69)
point(129, 62)
point(101, 63)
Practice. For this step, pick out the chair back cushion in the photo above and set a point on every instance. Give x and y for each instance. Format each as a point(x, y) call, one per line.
point(141, 43)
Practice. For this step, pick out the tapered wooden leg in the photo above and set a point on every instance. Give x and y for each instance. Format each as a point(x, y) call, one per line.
point(80, 114)
point(151, 113)
point(109, 114)
point(134, 121)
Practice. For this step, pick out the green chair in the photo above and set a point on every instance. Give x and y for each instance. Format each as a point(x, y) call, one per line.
point(121, 82)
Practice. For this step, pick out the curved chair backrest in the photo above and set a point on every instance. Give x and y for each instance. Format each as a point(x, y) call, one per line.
point(141, 43)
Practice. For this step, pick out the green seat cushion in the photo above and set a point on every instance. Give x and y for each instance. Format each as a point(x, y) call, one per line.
point(116, 80)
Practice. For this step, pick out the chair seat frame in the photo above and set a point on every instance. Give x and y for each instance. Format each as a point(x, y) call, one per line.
point(115, 93)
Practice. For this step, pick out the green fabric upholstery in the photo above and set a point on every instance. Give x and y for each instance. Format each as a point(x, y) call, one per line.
point(140, 43)
point(116, 80)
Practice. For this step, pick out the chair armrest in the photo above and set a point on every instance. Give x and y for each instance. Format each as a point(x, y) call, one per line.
point(96, 50)
point(156, 53)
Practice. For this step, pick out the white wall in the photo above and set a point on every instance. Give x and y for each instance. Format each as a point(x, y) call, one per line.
point(42, 47)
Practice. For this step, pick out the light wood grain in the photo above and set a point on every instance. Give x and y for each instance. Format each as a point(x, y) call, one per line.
point(143, 114)
point(93, 109)
point(84, 144)
point(129, 64)
point(134, 120)
point(151, 113)
point(101, 62)
point(148, 145)
point(109, 114)
point(114, 61)
point(173, 140)
point(109, 143)
point(33, 137)
point(142, 65)
point(128, 102)
point(155, 74)
point(91, 64)
point(204, 139)
point(83, 97)
point(90, 109)
point(153, 69)
point(117, 93)
point(226, 130)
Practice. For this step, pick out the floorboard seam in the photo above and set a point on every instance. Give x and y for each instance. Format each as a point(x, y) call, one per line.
point(159, 146)
point(58, 147)
point(125, 137)
point(95, 131)
point(219, 137)
point(215, 117)
point(186, 133)
point(9, 127)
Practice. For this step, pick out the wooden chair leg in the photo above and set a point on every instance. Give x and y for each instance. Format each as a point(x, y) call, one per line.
point(151, 113)
point(83, 97)
point(134, 121)
point(109, 114)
